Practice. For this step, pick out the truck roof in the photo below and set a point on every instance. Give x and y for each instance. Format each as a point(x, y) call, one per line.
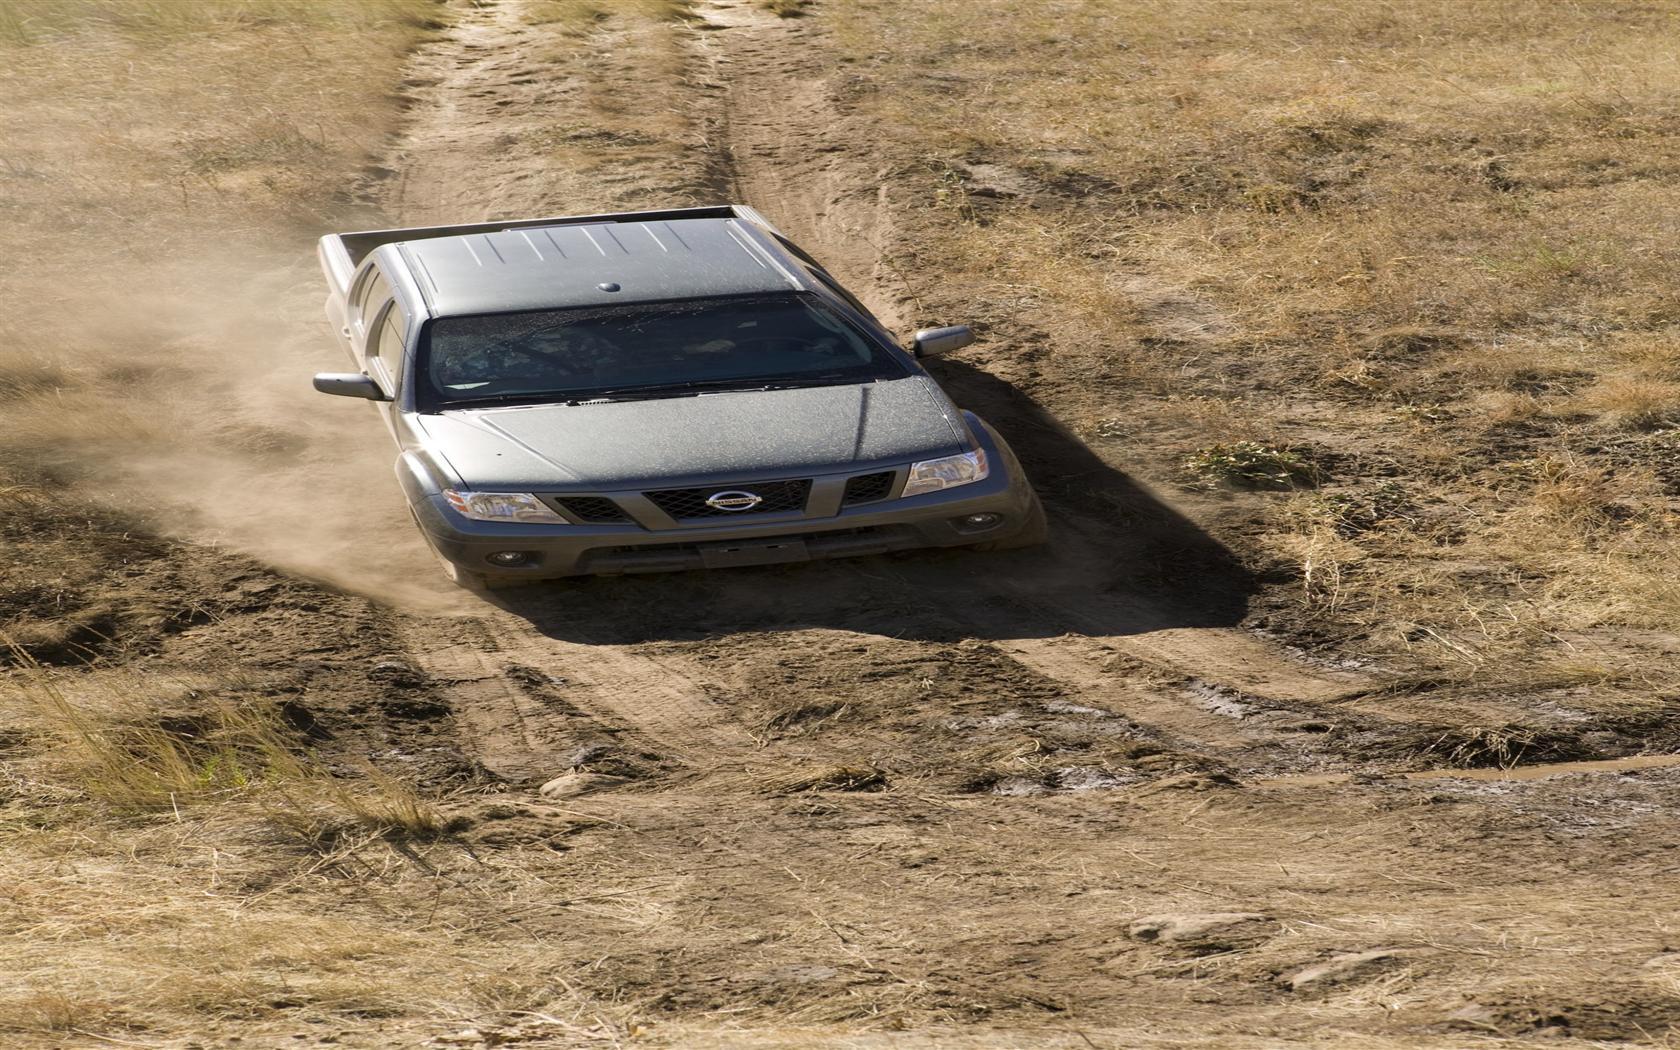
point(593, 263)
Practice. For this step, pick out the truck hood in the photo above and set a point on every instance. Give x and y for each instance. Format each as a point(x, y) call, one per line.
point(727, 436)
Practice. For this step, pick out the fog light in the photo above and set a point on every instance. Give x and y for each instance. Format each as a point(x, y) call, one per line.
point(508, 558)
point(977, 522)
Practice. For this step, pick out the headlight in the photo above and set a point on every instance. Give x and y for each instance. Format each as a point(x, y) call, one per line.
point(931, 475)
point(502, 506)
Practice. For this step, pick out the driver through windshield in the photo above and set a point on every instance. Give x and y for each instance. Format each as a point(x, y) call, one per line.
point(646, 349)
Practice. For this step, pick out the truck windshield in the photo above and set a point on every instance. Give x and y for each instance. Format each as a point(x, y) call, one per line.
point(644, 350)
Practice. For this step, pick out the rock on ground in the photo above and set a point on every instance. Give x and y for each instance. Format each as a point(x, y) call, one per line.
point(1202, 927)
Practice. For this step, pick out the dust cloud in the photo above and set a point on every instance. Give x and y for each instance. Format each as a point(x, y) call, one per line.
point(184, 396)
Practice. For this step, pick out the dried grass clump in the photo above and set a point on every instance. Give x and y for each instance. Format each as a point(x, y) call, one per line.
point(203, 928)
point(1503, 747)
point(1633, 403)
point(183, 866)
point(786, 8)
point(127, 744)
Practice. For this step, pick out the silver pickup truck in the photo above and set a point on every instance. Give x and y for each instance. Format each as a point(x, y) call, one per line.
point(654, 391)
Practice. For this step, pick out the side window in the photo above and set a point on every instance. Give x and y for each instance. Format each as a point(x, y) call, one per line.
point(371, 290)
point(387, 347)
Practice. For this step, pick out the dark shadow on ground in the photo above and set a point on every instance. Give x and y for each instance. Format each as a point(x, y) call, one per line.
point(1119, 562)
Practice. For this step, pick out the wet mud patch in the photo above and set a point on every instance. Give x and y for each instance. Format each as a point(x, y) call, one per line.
point(962, 717)
point(96, 596)
point(1624, 1017)
point(1653, 731)
point(512, 822)
point(582, 740)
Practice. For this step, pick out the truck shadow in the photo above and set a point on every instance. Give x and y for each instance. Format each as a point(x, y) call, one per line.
point(1119, 562)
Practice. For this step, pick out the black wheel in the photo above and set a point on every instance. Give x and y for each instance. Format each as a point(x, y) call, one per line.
point(1034, 532)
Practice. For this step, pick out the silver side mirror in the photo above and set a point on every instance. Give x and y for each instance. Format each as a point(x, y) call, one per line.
point(931, 342)
point(349, 384)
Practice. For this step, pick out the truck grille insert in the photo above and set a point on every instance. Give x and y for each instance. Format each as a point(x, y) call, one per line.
point(666, 557)
point(868, 488)
point(774, 497)
point(593, 509)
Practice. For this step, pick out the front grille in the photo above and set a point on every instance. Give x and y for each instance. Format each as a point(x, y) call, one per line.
point(867, 488)
point(834, 537)
point(671, 557)
point(774, 496)
point(595, 509)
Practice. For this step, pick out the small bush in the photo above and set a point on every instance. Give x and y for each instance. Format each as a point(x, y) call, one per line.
point(1359, 511)
point(1503, 747)
point(1251, 465)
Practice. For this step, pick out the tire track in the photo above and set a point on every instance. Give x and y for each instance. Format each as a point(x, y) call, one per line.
point(486, 101)
point(527, 730)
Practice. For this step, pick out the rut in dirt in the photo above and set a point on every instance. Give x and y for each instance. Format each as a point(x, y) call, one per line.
point(1132, 610)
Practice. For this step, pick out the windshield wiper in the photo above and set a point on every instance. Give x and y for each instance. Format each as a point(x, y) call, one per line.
point(700, 386)
point(823, 380)
point(499, 399)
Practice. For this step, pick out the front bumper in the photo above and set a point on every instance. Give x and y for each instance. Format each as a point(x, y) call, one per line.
point(930, 520)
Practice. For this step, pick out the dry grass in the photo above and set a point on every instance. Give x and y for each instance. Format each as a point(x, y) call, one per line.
point(35, 22)
point(206, 925)
point(581, 17)
point(165, 852)
point(211, 144)
point(265, 139)
point(1250, 465)
point(1634, 403)
point(1355, 226)
point(157, 831)
point(606, 137)
point(129, 745)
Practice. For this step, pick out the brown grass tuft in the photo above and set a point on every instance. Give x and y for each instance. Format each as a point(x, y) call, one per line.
point(1631, 403)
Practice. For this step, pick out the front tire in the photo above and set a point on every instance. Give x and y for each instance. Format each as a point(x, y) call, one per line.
point(1034, 532)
